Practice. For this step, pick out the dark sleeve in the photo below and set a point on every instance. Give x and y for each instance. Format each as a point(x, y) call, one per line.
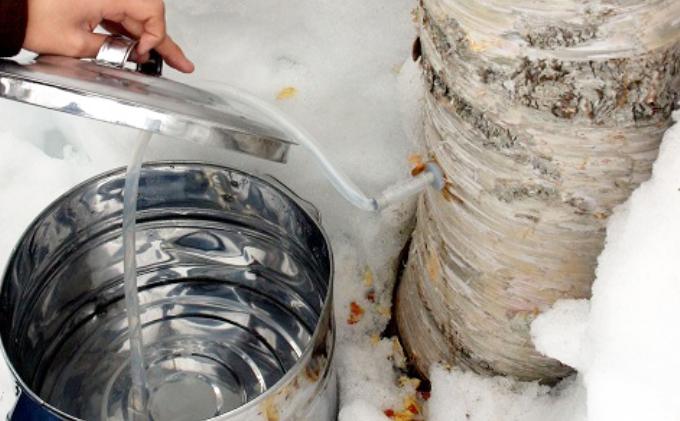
point(13, 20)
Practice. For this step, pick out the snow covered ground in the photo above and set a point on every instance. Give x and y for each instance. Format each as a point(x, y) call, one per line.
point(343, 70)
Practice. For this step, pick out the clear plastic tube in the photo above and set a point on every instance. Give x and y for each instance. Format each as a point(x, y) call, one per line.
point(404, 189)
point(336, 176)
point(138, 395)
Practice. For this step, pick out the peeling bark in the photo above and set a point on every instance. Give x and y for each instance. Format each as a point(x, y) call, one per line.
point(544, 116)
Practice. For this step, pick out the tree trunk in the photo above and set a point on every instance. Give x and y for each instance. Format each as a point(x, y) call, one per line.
point(544, 115)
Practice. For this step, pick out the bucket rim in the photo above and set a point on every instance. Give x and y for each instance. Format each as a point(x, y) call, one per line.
point(305, 357)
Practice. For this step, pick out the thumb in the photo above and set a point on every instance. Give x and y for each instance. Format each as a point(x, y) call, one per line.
point(84, 45)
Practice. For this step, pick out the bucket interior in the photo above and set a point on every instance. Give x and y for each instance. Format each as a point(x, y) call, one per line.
point(234, 277)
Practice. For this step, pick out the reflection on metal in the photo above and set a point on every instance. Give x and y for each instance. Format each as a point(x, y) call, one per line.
point(235, 282)
point(140, 101)
point(115, 51)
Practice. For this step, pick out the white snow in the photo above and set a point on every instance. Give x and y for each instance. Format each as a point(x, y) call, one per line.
point(625, 343)
point(356, 89)
point(460, 396)
point(561, 332)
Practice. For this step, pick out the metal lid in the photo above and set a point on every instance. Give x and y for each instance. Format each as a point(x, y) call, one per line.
point(128, 98)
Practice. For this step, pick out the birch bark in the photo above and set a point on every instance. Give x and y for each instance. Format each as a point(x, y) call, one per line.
point(544, 116)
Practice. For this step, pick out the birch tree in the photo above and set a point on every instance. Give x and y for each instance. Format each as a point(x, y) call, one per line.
point(544, 115)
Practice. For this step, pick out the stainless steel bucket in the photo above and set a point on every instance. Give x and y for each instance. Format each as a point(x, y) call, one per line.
point(235, 280)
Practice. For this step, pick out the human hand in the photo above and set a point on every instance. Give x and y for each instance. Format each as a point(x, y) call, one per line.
point(64, 27)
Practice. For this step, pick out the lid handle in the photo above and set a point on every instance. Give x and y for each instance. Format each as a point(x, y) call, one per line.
point(116, 51)
point(154, 66)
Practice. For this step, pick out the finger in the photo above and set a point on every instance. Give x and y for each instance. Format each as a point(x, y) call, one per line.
point(119, 29)
point(174, 56)
point(143, 18)
point(83, 45)
point(124, 25)
point(167, 48)
point(139, 59)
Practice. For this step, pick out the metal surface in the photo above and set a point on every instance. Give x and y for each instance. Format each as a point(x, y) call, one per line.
point(127, 98)
point(115, 51)
point(235, 282)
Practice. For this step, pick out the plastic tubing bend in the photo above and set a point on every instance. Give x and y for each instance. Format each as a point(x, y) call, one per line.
point(431, 176)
